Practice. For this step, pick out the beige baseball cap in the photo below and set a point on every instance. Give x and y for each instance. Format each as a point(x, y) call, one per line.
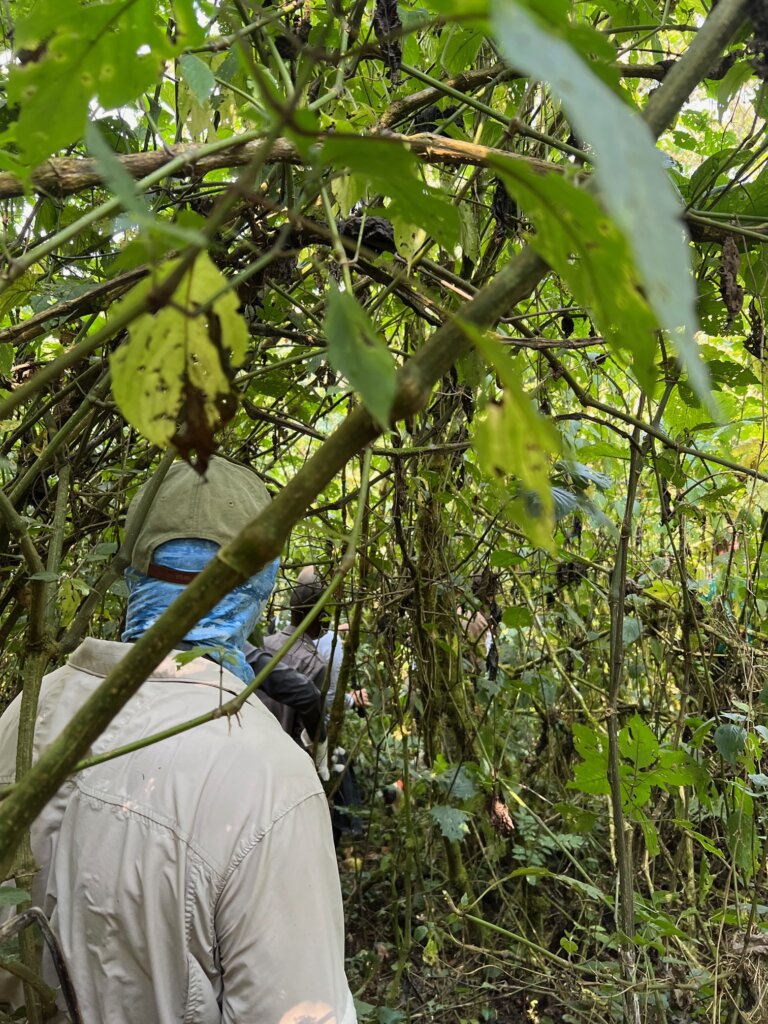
point(213, 507)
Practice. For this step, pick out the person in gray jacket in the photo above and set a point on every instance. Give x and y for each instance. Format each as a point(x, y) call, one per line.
point(192, 879)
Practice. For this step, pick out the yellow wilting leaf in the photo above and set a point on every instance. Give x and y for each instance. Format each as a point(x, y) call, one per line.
point(750, 453)
point(170, 379)
point(665, 590)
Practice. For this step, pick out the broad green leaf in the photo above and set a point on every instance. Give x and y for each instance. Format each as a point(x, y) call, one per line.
point(357, 351)
point(459, 783)
point(462, 9)
point(517, 618)
point(178, 351)
point(629, 172)
point(470, 236)
point(742, 835)
point(389, 1016)
point(114, 174)
point(677, 768)
point(635, 786)
point(17, 293)
point(11, 897)
point(451, 821)
point(647, 827)
point(631, 629)
point(504, 449)
point(503, 559)
point(459, 48)
point(226, 657)
point(734, 79)
point(730, 741)
point(589, 742)
point(364, 1010)
point(714, 167)
point(750, 198)
point(638, 743)
point(570, 221)
point(198, 76)
point(189, 31)
point(393, 170)
point(107, 51)
point(702, 840)
point(591, 775)
point(513, 439)
point(725, 371)
point(531, 870)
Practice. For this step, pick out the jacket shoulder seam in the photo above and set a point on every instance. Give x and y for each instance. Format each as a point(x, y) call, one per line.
point(255, 840)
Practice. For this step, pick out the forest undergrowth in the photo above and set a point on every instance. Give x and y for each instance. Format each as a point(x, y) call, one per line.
point(478, 288)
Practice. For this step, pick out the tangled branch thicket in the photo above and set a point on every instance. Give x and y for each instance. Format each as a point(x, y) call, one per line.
point(611, 722)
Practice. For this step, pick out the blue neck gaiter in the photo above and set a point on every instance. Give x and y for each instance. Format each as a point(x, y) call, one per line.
point(225, 628)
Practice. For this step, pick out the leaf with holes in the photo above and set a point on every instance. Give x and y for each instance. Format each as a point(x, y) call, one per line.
point(107, 51)
point(11, 897)
point(170, 379)
point(638, 743)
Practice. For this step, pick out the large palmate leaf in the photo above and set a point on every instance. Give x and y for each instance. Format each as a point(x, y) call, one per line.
point(451, 821)
point(630, 173)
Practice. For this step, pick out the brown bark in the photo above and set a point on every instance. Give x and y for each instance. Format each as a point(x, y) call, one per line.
point(68, 175)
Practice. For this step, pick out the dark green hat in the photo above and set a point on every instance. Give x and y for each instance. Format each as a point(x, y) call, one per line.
point(213, 507)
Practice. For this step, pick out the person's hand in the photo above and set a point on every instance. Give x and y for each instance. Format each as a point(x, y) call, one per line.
point(360, 699)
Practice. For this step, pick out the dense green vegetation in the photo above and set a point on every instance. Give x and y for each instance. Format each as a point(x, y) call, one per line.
point(423, 267)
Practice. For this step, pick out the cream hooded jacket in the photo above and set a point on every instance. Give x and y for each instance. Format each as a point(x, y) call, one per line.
point(193, 880)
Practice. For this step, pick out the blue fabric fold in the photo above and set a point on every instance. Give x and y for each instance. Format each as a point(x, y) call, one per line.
point(225, 628)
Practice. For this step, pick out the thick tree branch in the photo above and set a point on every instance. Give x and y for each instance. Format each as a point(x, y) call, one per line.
point(65, 176)
point(722, 24)
point(469, 81)
point(258, 544)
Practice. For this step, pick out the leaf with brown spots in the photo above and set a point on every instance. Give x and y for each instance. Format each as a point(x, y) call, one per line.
point(171, 379)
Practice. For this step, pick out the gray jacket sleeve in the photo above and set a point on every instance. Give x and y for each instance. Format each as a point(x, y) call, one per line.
point(287, 686)
point(280, 928)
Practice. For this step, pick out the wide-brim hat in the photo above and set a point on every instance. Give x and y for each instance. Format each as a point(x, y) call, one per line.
point(212, 507)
